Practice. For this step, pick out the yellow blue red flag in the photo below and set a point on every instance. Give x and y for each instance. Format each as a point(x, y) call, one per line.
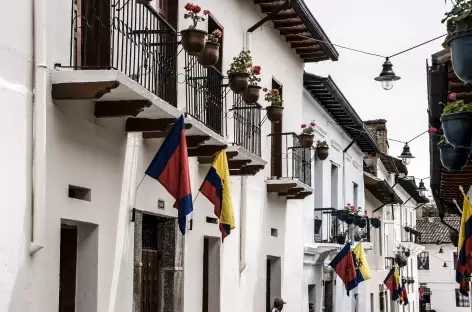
point(360, 260)
point(464, 247)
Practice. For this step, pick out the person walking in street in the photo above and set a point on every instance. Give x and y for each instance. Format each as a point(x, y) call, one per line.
point(278, 305)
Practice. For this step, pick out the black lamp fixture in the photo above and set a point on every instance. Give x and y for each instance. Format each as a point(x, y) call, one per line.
point(445, 265)
point(387, 76)
point(441, 250)
point(406, 155)
point(421, 188)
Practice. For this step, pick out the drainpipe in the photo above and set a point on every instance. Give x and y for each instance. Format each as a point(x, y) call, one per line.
point(344, 183)
point(242, 225)
point(38, 126)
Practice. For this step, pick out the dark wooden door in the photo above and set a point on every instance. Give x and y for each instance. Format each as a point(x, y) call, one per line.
point(328, 296)
point(67, 269)
point(150, 281)
point(93, 36)
point(268, 281)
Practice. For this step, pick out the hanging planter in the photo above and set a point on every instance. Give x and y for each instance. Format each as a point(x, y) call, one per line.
point(454, 237)
point(407, 253)
point(340, 239)
point(350, 219)
point(459, 38)
point(343, 215)
point(193, 39)
point(210, 54)
point(239, 72)
point(275, 110)
point(401, 260)
point(252, 92)
point(322, 150)
point(307, 137)
point(453, 159)
point(363, 223)
point(407, 229)
point(375, 222)
point(357, 220)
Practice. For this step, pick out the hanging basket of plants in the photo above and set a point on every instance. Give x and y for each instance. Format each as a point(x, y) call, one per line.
point(342, 215)
point(239, 72)
point(457, 122)
point(275, 110)
point(307, 137)
point(357, 220)
point(375, 222)
point(459, 38)
point(340, 239)
point(350, 219)
point(210, 54)
point(401, 260)
point(322, 150)
point(193, 39)
point(252, 92)
point(453, 159)
point(407, 253)
point(363, 223)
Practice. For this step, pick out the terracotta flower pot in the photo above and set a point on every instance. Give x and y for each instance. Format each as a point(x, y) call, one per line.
point(238, 82)
point(375, 222)
point(274, 113)
point(357, 220)
point(340, 239)
point(322, 152)
point(458, 129)
point(343, 215)
point(460, 43)
point(209, 55)
point(363, 223)
point(193, 40)
point(251, 94)
point(306, 140)
point(453, 159)
point(350, 219)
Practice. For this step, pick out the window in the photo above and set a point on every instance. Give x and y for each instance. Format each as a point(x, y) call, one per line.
point(355, 190)
point(276, 144)
point(423, 261)
point(461, 300)
point(371, 302)
point(454, 256)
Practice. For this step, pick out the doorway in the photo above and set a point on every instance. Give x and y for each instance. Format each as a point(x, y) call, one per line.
point(273, 280)
point(150, 260)
point(211, 275)
point(67, 268)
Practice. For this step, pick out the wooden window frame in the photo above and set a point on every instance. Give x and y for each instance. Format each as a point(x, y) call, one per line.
point(276, 167)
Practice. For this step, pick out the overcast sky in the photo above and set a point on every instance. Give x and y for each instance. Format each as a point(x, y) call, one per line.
point(384, 27)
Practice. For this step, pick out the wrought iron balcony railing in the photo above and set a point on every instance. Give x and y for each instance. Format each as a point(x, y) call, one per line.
point(205, 94)
point(329, 229)
point(295, 161)
point(247, 125)
point(128, 37)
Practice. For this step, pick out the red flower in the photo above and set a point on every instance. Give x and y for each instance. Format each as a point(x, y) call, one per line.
point(256, 70)
point(312, 123)
point(432, 130)
point(275, 91)
point(264, 89)
point(249, 65)
point(348, 204)
point(303, 126)
point(189, 7)
point(218, 33)
point(452, 97)
point(196, 9)
point(206, 12)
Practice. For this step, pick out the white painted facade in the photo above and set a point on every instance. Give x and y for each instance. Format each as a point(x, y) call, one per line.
point(331, 191)
point(73, 148)
point(441, 280)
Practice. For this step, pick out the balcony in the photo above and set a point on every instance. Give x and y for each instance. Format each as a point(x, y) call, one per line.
point(291, 167)
point(123, 73)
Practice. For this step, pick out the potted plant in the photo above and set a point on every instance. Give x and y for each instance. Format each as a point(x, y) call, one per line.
point(275, 110)
point(239, 72)
point(454, 237)
point(251, 94)
point(211, 52)
point(363, 223)
point(306, 137)
point(407, 253)
point(457, 122)
point(342, 215)
point(375, 222)
point(352, 212)
point(340, 239)
point(459, 38)
point(322, 150)
point(193, 39)
point(453, 159)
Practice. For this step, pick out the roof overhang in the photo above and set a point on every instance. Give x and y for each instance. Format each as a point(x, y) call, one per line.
point(393, 164)
point(442, 80)
point(410, 187)
point(328, 95)
point(381, 190)
point(299, 27)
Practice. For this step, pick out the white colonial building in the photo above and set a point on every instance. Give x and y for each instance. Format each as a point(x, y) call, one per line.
point(337, 180)
point(392, 196)
point(437, 266)
point(89, 90)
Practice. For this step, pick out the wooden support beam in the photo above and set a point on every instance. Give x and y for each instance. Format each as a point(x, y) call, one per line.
point(108, 109)
point(82, 90)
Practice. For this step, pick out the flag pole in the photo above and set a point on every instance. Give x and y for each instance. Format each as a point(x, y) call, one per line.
point(139, 184)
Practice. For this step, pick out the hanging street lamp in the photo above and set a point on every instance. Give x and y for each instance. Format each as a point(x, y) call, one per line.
point(387, 76)
point(421, 188)
point(406, 155)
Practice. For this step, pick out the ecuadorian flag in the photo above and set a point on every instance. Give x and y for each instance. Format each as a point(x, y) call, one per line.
point(217, 188)
point(362, 267)
point(344, 266)
point(464, 247)
point(392, 282)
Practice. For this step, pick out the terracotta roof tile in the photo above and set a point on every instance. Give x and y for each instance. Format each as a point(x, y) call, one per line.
point(433, 230)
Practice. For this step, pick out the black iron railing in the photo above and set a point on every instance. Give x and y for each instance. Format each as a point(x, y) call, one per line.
point(296, 160)
point(128, 37)
point(247, 125)
point(328, 228)
point(205, 94)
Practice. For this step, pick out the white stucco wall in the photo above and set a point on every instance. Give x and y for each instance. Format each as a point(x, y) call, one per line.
point(327, 130)
point(97, 154)
point(441, 280)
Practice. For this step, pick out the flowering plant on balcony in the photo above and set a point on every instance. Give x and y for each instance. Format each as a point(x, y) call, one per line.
point(193, 39)
point(252, 92)
point(308, 128)
point(241, 64)
point(254, 75)
point(273, 97)
point(275, 110)
point(214, 37)
point(322, 150)
point(351, 209)
point(322, 144)
point(193, 11)
point(306, 137)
